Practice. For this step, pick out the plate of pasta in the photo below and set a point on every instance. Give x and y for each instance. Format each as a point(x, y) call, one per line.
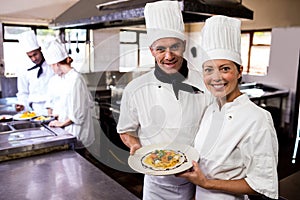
point(163, 159)
point(24, 116)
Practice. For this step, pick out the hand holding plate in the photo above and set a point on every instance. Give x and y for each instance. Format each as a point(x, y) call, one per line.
point(194, 175)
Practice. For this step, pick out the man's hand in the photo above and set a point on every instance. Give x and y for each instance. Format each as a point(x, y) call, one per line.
point(19, 107)
point(131, 141)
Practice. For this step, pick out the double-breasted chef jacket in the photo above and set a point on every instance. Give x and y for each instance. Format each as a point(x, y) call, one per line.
point(151, 110)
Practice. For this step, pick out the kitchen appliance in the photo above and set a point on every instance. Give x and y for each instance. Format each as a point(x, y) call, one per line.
point(95, 14)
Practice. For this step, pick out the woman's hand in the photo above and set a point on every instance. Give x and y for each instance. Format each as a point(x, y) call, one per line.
point(60, 124)
point(56, 123)
point(195, 175)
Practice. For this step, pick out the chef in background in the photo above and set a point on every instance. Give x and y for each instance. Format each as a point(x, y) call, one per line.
point(32, 85)
point(68, 96)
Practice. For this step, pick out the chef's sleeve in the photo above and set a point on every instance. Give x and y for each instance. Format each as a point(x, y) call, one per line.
point(78, 104)
point(128, 119)
point(261, 159)
point(23, 91)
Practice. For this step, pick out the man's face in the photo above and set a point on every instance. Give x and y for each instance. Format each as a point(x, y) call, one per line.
point(168, 54)
point(35, 56)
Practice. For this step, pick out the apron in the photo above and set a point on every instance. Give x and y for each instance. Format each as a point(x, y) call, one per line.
point(154, 189)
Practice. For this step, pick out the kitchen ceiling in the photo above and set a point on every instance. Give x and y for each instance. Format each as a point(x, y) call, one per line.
point(101, 14)
point(40, 12)
point(97, 14)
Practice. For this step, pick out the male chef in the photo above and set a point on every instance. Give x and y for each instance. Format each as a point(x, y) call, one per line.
point(32, 85)
point(165, 105)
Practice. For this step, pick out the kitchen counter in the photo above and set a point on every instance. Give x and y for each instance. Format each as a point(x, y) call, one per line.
point(25, 138)
point(58, 175)
point(289, 187)
point(259, 91)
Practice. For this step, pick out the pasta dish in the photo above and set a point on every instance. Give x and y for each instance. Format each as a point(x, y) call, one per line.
point(163, 159)
point(28, 114)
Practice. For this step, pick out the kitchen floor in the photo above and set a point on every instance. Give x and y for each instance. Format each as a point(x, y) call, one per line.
point(134, 181)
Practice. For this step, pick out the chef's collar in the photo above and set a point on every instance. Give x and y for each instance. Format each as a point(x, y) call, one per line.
point(176, 79)
point(40, 71)
point(67, 74)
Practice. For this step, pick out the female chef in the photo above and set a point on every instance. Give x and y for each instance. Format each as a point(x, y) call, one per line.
point(237, 141)
point(68, 96)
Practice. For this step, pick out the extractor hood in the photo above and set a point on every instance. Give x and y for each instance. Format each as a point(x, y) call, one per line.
point(96, 14)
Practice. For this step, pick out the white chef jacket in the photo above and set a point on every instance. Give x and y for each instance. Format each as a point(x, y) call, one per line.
point(34, 90)
point(239, 141)
point(70, 98)
point(150, 109)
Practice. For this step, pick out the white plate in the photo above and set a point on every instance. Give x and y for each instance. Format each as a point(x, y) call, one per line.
point(135, 161)
point(18, 117)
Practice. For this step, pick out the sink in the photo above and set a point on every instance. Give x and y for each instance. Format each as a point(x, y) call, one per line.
point(4, 127)
point(25, 125)
point(15, 126)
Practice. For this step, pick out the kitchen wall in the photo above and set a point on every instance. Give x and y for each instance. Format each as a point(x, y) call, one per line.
point(272, 13)
point(283, 18)
point(283, 63)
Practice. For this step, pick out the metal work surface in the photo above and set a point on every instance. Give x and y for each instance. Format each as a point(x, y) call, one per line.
point(25, 138)
point(60, 175)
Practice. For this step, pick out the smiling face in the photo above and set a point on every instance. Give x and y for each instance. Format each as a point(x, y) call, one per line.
point(221, 79)
point(168, 53)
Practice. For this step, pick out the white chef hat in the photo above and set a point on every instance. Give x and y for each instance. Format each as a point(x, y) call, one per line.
point(28, 41)
point(163, 19)
point(221, 39)
point(54, 51)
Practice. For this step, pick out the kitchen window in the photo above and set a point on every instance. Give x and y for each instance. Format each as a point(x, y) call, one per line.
point(15, 60)
point(255, 51)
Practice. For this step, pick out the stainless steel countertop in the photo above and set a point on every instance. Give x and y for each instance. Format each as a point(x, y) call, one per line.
point(24, 138)
point(61, 175)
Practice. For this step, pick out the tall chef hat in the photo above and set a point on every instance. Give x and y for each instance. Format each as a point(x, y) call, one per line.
point(163, 19)
point(221, 39)
point(54, 51)
point(28, 41)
